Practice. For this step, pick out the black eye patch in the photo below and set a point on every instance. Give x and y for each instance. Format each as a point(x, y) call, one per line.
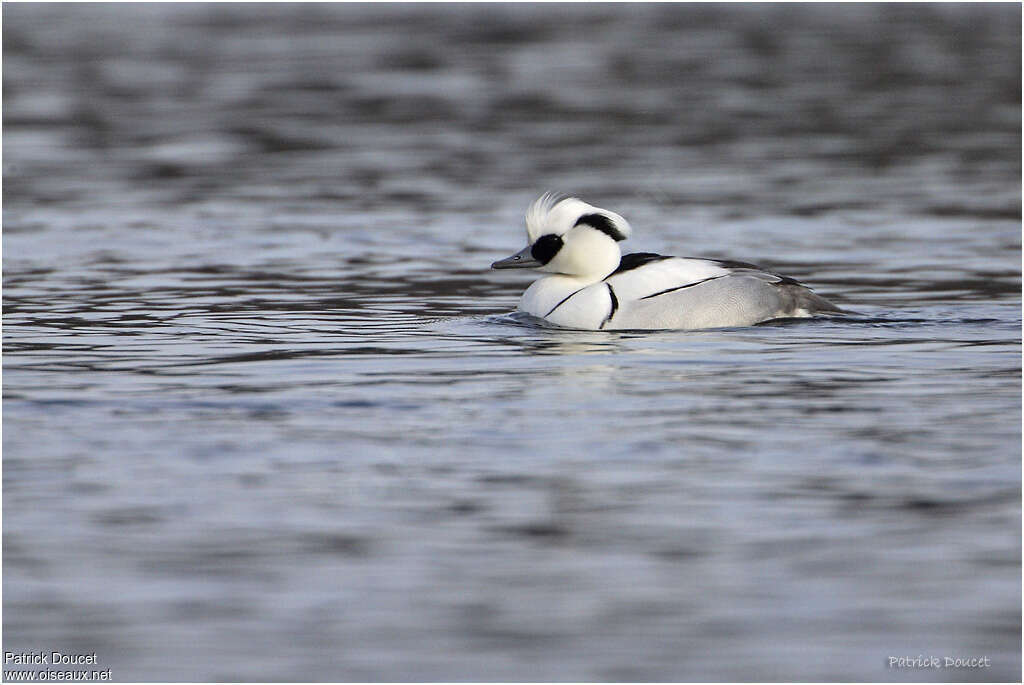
point(546, 247)
point(603, 224)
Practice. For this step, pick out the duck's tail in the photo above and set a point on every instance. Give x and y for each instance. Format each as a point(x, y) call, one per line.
point(805, 299)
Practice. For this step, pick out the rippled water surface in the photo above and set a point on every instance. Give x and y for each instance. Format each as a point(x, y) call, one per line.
point(267, 415)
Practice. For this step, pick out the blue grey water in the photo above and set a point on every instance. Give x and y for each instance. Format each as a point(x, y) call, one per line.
point(267, 416)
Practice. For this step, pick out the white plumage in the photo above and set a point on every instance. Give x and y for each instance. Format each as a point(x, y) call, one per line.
point(590, 285)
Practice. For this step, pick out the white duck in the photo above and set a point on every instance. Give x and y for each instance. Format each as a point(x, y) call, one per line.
point(590, 285)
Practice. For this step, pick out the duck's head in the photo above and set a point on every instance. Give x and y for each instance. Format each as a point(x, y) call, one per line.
point(568, 236)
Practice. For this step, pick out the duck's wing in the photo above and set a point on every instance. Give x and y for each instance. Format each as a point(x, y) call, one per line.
point(684, 292)
point(795, 295)
point(745, 268)
point(643, 274)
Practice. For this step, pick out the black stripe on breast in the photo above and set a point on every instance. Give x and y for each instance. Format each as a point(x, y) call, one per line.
point(564, 300)
point(601, 223)
point(681, 287)
point(614, 307)
point(635, 260)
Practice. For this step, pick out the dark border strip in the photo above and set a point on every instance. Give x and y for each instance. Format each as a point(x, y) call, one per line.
point(615, 305)
point(634, 260)
point(602, 223)
point(680, 287)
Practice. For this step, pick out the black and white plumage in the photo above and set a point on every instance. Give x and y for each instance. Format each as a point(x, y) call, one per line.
point(590, 285)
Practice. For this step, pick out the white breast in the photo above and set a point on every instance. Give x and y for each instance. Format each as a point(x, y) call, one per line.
point(567, 301)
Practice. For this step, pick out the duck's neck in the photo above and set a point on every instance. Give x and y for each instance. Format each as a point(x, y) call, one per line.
point(590, 266)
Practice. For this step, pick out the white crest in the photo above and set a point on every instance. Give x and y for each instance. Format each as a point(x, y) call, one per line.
point(557, 213)
point(537, 214)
